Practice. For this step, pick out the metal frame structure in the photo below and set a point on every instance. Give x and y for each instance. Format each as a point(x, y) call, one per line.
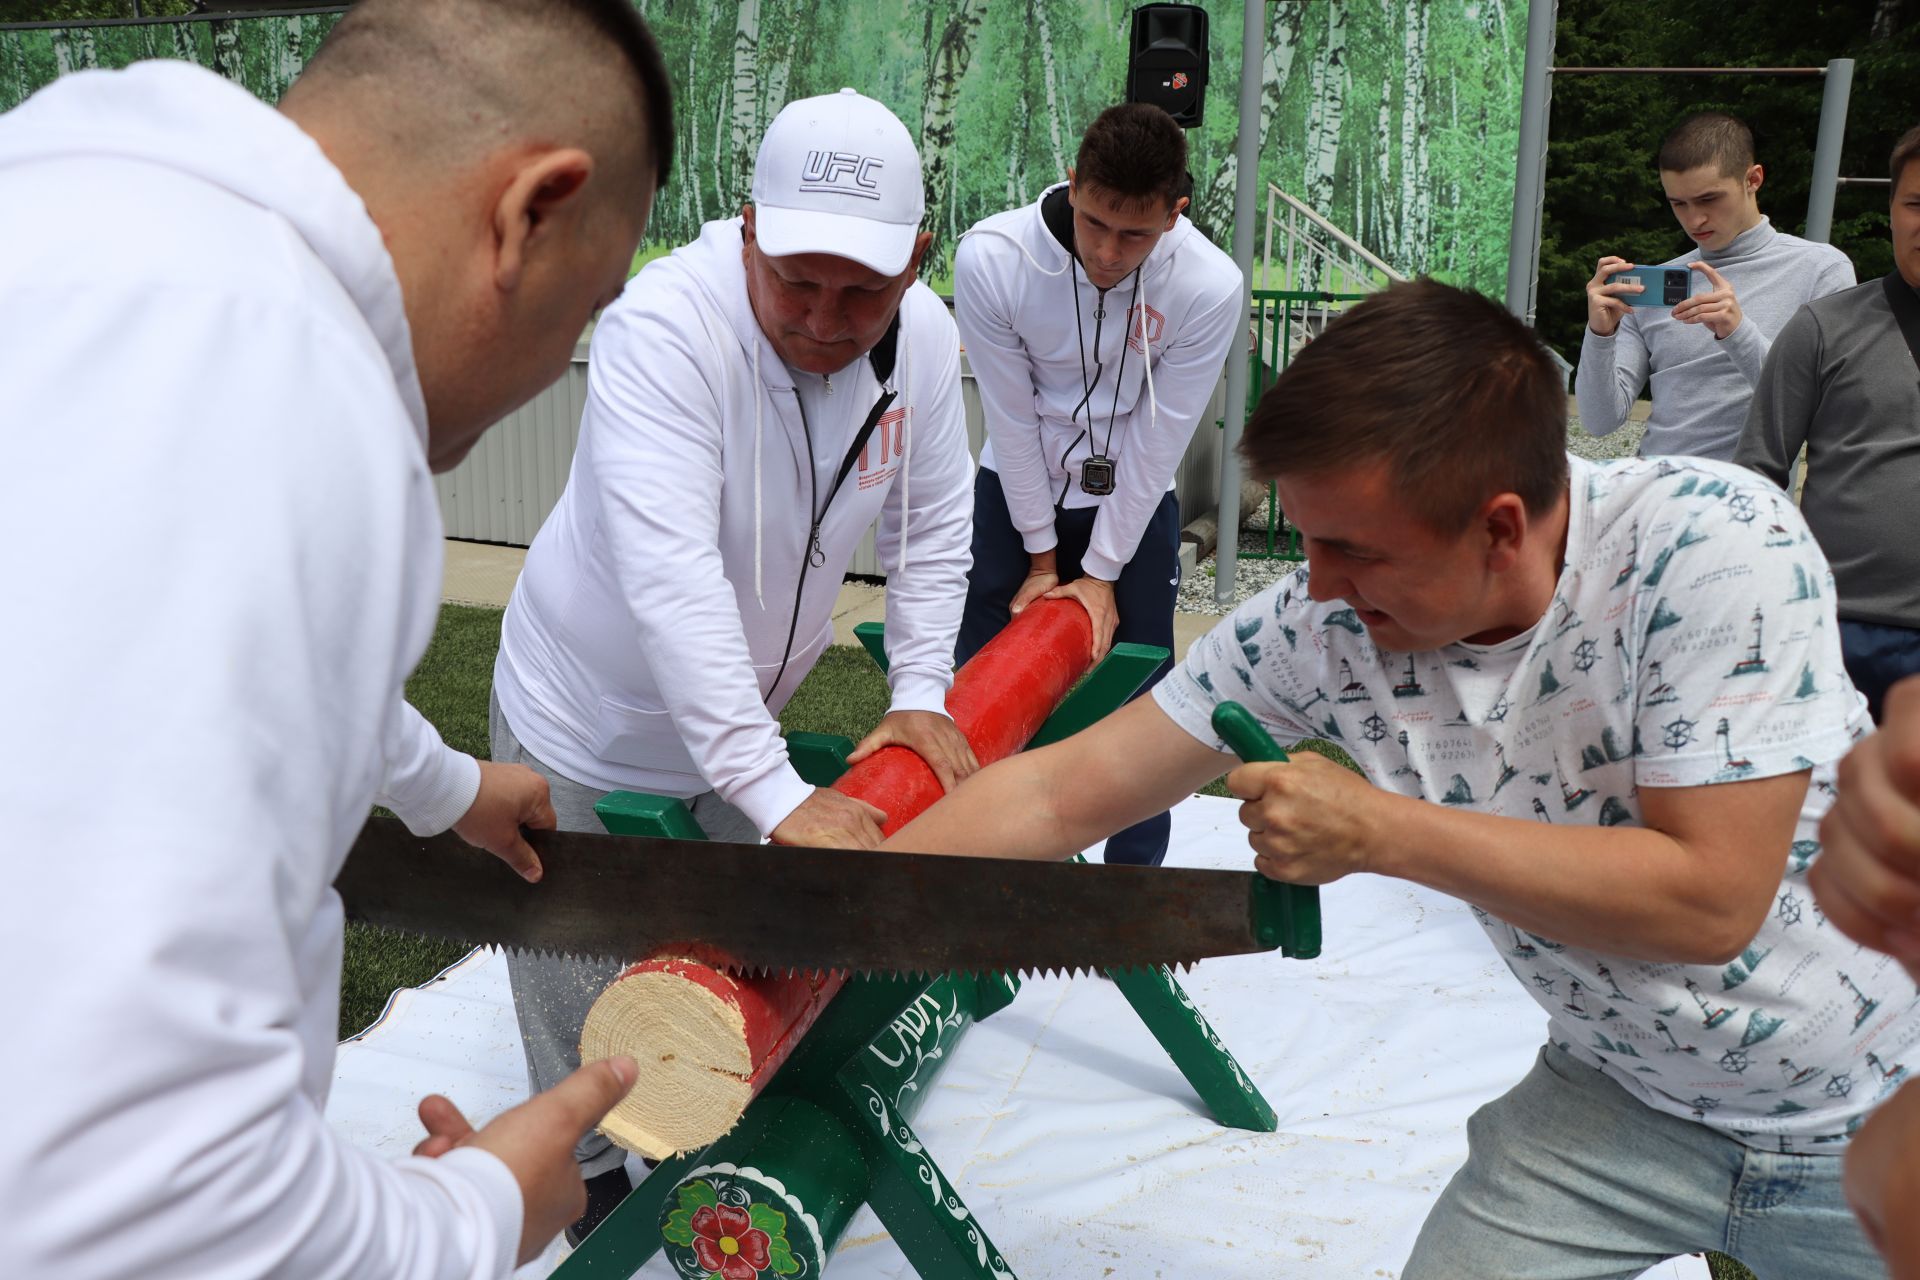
point(1530, 161)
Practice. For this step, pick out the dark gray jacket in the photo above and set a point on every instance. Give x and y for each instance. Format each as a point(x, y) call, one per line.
point(1841, 381)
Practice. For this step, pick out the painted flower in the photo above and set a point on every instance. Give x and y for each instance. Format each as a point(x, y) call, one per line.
point(726, 1241)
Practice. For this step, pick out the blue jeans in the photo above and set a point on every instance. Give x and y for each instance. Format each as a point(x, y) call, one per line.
point(1144, 596)
point(1568, 1177)
point(1877, 656)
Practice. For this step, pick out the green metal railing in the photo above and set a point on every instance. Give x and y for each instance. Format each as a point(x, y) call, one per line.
point(1279, 315)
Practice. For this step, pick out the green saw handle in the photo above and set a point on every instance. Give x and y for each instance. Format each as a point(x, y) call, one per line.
point(1284, 915)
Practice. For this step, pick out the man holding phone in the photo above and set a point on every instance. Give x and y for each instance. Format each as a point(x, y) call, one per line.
point(1702, 355)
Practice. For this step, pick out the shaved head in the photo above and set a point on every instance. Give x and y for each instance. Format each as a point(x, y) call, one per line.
point(509, 152)
point(445, 81)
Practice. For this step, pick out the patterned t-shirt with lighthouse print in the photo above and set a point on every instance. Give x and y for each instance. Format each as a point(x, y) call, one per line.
point(1691, 641)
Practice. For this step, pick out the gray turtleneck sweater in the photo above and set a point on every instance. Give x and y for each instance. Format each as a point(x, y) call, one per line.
point(1701, 384)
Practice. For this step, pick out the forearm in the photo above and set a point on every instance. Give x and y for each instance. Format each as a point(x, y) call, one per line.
point(1007, 810)
point(1747, 347)
point(1061, 799)
point(1124, 516)
point(1625, 891)
point(1599, 389)
point(1003, 376)
point(429, 784)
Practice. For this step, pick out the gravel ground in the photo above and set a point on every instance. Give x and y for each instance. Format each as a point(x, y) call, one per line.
point(1254, 576)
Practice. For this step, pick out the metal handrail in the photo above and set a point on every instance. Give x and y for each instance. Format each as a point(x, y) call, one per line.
point(1283, 322)
point(1354, 265)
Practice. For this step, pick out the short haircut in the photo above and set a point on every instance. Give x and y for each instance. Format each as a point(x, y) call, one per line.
point(1455, 394)
point(1136, 152)
point(1908, 148)
point(1708, 137)
point(406, 40)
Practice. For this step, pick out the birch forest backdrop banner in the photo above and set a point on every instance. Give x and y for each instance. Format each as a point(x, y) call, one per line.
point(1394, 119)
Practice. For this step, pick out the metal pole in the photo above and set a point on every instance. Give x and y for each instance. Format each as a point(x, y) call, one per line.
point(1826, 149)
point(1246, 152)
point(1530, 160)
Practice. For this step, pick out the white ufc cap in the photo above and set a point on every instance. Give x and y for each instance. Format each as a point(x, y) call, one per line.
point(838, 174)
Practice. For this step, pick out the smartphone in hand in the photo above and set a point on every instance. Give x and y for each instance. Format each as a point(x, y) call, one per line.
point(1662, 286)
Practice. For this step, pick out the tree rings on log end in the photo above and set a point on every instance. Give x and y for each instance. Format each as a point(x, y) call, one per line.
point(681, 1023)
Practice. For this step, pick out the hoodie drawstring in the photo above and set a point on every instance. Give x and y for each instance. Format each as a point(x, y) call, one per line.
point(759, 586)
point(1146, 347)
point(1019, 244)
point(906, 440)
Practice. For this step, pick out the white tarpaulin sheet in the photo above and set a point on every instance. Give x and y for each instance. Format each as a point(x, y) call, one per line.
point(1074, 1140)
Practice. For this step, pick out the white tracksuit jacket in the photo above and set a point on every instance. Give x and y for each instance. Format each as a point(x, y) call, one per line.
point(642, 641)
point(1015, 298)
point(221, 559)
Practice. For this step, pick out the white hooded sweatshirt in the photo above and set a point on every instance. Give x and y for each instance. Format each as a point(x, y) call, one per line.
point(222, 559)
point(1153, 362)
point(642, 644)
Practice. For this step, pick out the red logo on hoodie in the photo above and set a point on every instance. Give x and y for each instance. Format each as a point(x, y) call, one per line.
point(887, 444)
point(1144, 321)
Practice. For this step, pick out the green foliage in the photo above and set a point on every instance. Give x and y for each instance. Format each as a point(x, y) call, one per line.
point(779, 1252)
point(262, 54)
point(90, 10)
point(1382, 115)
point(1603, 194)
point(694, 1196)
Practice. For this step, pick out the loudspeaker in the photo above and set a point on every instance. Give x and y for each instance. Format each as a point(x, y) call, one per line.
point(1167, 65)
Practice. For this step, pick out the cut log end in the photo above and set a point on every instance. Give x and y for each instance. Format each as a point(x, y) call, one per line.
point(689, 1040)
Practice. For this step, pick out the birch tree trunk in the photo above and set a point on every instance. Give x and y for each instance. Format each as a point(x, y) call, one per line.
point(1330, 82)
point(1017, 145)
point(1050, 75)
point(1418, 240)
point(779, 73)
point(287, 62)
point(697, 214)
point(744, 123)
point(1213, 208)
point(1377, 229)
point(226, 48)
point(945, 70)
point(1455, 212)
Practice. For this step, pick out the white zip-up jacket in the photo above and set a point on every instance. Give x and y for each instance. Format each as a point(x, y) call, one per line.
point(222, 560)
point(1016, 299)
point(642, 643)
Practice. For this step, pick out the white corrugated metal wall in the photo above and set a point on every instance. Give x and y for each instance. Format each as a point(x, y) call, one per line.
point(513, 477)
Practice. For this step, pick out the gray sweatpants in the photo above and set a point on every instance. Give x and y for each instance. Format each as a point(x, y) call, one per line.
point(551, 996)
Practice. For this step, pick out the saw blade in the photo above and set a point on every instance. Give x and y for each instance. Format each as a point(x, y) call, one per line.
point(749, 907)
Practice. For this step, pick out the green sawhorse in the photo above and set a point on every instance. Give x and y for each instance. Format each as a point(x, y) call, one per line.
point(832, 1130)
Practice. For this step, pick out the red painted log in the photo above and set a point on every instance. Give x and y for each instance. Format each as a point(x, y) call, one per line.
point(708, 1041)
